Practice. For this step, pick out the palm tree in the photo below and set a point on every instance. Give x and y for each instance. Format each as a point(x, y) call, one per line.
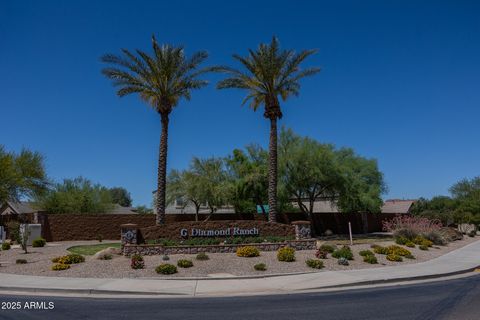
point(270, 74)
point(161, 80)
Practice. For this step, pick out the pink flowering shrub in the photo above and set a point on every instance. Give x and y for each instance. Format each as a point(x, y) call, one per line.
point(410, 226)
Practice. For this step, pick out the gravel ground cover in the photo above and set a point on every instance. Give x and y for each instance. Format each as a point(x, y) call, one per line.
point(39, 262)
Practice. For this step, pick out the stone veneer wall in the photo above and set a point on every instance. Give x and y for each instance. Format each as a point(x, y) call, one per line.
point(155, 249)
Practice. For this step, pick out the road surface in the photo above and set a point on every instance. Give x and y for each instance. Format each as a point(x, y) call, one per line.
point(452, 299)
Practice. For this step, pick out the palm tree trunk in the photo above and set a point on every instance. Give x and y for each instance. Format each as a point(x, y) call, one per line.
point(162, 170)
point(272, 172)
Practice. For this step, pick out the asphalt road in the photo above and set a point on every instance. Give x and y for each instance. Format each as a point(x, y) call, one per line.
point(452, 299)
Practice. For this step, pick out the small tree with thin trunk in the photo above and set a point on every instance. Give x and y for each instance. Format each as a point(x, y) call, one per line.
point(161, 80)
point(269, 74)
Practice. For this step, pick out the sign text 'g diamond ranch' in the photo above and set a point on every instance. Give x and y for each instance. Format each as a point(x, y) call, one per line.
point(234, 231)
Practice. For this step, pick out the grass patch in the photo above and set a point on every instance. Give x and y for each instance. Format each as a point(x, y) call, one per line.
point(90, 250)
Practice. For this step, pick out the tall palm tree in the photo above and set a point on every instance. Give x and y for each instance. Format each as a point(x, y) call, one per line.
point(270, 74)
point(161, 80)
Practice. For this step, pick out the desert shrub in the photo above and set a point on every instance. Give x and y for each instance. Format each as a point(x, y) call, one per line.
point(373, 246)
point(436, 237)
point(370, 259)
point(106, 257)
point(394, 257)
point(343, 262)
point(184, 263)
point(427, 243)
point(321, 254)
point(202, 256)
point(472, 233)
point(401, 240)
point(330, 248)
point(260, 267)
point(365, 253)
point(69, 259)
point(166, 268)
point(410, 226)
point(423, 247)
point(21, 261)
point(406, 233)
point(165, 257)
point(286, 254)
point(60, 266)
point(99, 238)
point(409, 256)
point(14, 231)
point(380, 250)
point(396, 250)
point(137, 262)
point(314, 263)
point(248, 252)
point(343, 252)
point(410, 244)
point(6, 246)
point(450, 234)
point(38, 243)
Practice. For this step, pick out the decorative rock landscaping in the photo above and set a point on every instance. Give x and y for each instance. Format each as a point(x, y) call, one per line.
point(39, 261)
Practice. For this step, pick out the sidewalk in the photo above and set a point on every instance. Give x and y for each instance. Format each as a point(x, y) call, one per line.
point(459, 261)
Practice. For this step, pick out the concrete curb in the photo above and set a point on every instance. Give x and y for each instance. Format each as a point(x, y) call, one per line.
point(93, 292)
point(396, 280)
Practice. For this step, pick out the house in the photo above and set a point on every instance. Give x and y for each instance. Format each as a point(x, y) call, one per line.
point(15, 208)
point(395, 206)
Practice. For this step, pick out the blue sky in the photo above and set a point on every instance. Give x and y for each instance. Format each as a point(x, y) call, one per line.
point(400, 82)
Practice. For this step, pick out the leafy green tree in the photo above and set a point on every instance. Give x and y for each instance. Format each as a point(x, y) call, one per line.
point(269, 74)
point(309, 170)
point(248, 175)
point(161, 80)
point(462, 207)
point(144, 210)
point(188, 186)
point(77, 195)
point(121, 196)
point(21, 175)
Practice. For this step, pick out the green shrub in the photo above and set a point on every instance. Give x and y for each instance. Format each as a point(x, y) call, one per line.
point(418, 240)
point(184, 263)
point(394, 257)
point(426, 242)
point(260, 267)
point(330, 248)
point(436, 238)
point(370, 259)
point(321, 253)
point(380, 250)
point(314, 263)
point(99, 237)
point(137, 262)
point(344, 252)
point(6, 246)
point(165, 257)
point(166, 268)
point(248, 252)
point(286, 254)
point(343, 261)
point(202, 256)
point(106, 257)
point(365, 253)
point(21, 261)
point(396, 250)
point(401, 240)
point(69, 259)
point(38, 243)
point(60, 267)
point(410, 244)
point(423, 247)
point(410, 256)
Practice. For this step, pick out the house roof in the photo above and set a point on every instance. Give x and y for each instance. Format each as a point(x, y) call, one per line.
point(22, 207)
point(118, 209)
point(389, 206)
point(397, 206)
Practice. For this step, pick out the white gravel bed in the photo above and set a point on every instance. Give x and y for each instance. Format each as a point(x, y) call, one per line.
point(39, 262)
